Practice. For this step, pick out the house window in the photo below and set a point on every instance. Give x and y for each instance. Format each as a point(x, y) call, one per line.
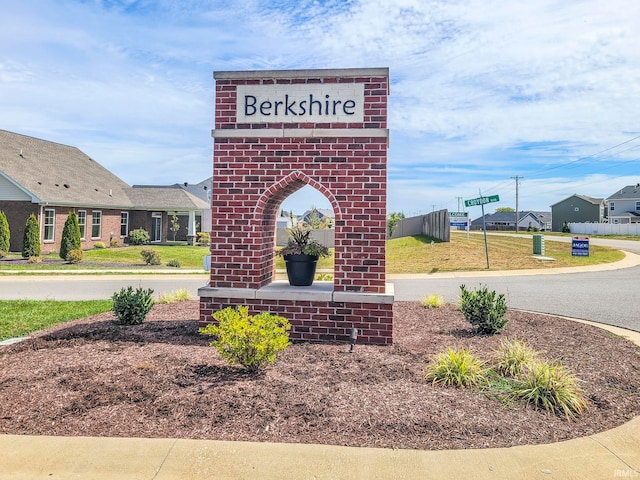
point(612, 206)
point(637, 206)
point(96, 224)
point(82, 223)
point(124, 224)
point(49, 225)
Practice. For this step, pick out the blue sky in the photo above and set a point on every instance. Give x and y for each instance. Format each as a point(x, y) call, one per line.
point(481, 91)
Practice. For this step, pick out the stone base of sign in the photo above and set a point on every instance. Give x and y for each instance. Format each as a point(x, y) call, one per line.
point(316, 313)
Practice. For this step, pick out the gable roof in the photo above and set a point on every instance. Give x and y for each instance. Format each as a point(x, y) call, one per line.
point(171, 197)
point(594, 200)
point(58, 174)
point(630, 192)
point(64, 175)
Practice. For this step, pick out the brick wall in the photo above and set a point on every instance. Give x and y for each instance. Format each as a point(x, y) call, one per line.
point(258, 165)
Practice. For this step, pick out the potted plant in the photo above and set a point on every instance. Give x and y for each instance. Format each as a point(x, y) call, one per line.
point(301, 256)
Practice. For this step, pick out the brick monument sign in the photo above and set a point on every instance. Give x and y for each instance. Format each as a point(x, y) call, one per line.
point(275, 132)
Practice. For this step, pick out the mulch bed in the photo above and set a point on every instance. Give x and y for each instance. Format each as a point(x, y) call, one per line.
point(93, 377)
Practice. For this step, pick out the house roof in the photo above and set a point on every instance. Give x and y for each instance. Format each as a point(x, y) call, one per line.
point(171, 197)
point(594, 200)
point(630, 192)
point(64, 175)
point(510, 217)
point(58, 174)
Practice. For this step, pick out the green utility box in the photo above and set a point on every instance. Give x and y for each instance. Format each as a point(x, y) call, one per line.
point(538, 244)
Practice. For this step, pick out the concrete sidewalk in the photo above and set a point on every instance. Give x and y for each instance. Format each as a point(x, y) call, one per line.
point(611, 454)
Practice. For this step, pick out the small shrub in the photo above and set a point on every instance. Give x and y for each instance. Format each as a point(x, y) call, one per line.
point(113, 243)
point(75, 256)
point(179, 295)
point(131, 307)
point(433, 301)
point(458, 368)
point(252, 341)
point(138, 237)
point(173, 263)
point(35, 259)
point(483, 309)
point(99, 245)
point(513, 357)
point(150, 256)
point(204, 238)
point(3, 254)
point(550, 387)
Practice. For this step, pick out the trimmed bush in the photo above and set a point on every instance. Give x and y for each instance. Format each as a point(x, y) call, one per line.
point(31, 239)
point(75, 256)
point(70, 236)
point(459, 368)
point(131, 307)
point(483, 309)
point(3, 254)
point(99, 245)
point(5, 234)
point(113, 243)
point(252, 341)
point(138, 237)
point(150, 256)
point(204, 238)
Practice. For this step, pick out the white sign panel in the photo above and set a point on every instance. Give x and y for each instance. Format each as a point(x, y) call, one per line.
point(333, 102)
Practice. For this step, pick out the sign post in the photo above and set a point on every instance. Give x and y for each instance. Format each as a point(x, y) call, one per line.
point(482, 201)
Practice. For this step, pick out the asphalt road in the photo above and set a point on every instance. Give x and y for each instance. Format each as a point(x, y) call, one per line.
point(609, 297)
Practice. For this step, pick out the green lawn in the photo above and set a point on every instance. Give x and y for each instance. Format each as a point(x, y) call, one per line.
point(22, 317)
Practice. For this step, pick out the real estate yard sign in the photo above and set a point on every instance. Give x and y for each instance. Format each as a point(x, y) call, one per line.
point(580, 246)
point(458, 219)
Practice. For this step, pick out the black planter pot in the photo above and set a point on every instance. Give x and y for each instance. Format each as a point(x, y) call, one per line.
point(301, 269)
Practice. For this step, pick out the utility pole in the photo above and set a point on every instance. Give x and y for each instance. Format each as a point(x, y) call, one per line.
point(459, 198)
point(517, 179)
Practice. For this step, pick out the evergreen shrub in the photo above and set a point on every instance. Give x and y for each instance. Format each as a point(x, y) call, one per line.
point(131, 307)
point(31, 239)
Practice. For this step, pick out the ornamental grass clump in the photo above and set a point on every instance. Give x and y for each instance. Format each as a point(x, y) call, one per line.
point(550, 387)
point(432, 300)
point(483, 309)
point(252, 341)
point(459, 368)
point(513, 357)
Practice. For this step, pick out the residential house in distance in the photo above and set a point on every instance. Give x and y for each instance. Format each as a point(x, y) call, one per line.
point(505, 221)
point(624, 205)
point(577, 208)
point(49, 180)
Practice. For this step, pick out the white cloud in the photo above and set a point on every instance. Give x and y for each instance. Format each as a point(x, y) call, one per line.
point(481, 90)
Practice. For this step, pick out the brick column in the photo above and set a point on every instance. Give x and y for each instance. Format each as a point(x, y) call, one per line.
point(277, 131)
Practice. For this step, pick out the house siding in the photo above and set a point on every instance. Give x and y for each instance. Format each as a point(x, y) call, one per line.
point(564, 211)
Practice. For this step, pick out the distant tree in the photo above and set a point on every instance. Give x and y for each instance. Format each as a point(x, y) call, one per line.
point(31, 239)
point(5, 234)
point(175, 226)
point(505, 209)
point(392, 220)
point(70, 236)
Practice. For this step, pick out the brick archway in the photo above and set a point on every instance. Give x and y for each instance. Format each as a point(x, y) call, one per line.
point(268, 206)
point(276, 131)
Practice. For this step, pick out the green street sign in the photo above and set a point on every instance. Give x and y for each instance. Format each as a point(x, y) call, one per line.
point(481, 201)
